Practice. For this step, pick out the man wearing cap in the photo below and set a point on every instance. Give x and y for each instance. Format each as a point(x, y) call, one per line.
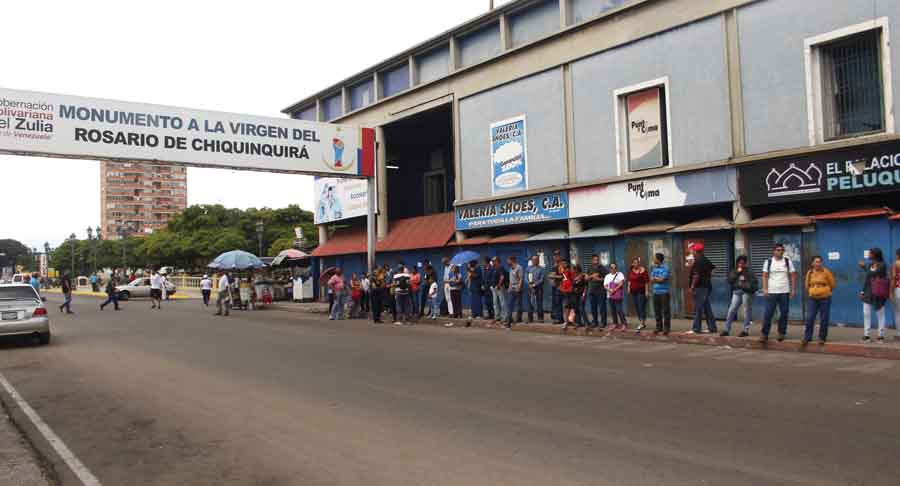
point(206, 289)
point(701, 286)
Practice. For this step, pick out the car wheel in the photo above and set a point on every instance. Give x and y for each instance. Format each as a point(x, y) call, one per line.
point(44, 338)
point(125, 295)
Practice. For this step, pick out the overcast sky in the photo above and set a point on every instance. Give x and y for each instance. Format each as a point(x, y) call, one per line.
point(244, 57)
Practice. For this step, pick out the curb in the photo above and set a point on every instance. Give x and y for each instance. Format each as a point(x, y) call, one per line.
point(57, 469)
point(873, 351)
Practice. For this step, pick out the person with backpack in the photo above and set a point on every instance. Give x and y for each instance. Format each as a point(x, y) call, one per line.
point(112, 297)
point(402, 289)
point(820, 283)
point(875, 292)
point(779, 279)
point(614, 283)
point(743, 287)
point(66, 284)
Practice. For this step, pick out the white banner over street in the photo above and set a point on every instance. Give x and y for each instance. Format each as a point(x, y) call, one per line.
point(33, 123)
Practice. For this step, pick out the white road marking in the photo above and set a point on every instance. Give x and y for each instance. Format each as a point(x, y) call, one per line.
point(81, 471)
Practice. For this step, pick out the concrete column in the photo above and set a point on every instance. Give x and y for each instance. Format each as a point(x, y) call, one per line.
point(413, 72)
point(457, 160)
point(565, 16)
point(505, 38)
point(381, 224)
point(376, 87)
point(735, 87)
point(454, 54)
point(459, 236)
point(575, 227)
point(569, 130)
point(740, 215)
point(323, 234)
point(345, 100)
point(319, 112)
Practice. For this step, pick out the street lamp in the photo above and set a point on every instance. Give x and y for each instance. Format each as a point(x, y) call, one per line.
point(260, 228)
point(72, 247)
point(99, 234)
point(46, 270)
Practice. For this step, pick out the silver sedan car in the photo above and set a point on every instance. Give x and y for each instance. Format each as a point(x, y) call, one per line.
point(140, 287)
point(22, 312)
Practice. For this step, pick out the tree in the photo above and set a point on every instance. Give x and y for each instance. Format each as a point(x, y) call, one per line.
point(16, 253)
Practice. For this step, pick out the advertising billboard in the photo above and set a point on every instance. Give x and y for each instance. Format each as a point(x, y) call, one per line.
point(646, 131)
point(691, 189)
point(33, 123)
point(339, 198)
point(509, 156)
point(532, 209)
point(850, 171)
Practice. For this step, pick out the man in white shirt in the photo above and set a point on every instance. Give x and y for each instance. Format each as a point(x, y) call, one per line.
point(156, 283)
point(446, 263)
point(206, 289)
point(223, 297)
point(779, 284)
point(364, 285)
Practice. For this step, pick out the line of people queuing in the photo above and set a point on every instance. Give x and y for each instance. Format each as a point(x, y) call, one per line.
point(594, 297)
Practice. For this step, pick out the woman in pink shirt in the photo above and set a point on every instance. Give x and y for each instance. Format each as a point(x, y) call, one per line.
point(336, 284)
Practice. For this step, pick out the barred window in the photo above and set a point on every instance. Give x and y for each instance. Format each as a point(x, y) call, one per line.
point(851, 83)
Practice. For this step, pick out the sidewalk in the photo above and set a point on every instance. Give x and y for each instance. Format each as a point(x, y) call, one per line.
point(845, 341)
point(18, 464)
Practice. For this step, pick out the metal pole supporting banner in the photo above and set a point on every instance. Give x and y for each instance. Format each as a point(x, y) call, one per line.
point(370, 227)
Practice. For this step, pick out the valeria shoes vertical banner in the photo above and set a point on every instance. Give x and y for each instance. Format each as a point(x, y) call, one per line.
point(509, 156)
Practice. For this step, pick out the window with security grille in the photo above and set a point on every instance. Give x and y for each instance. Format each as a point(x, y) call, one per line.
point(852, 90)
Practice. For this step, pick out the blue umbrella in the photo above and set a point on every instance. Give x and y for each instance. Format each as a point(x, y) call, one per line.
point(464, 258)
point(236, 260)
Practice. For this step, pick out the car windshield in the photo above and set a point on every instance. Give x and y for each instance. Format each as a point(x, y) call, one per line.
point(18, 293)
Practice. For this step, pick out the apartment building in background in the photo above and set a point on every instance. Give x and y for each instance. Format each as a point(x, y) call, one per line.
point(138, 199)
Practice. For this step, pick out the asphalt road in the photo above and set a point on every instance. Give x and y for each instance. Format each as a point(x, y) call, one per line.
point(179, 396)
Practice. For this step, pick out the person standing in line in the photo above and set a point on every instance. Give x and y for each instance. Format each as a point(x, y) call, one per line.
point(875, 293)
point(415, 292)
point(330, 296)
point(701, 286)
point(336, 284)
point(206, 289)
point(498, 290)
point(223, 295)
point(638, 278)
point(377, 292)
point(434, 301)
point(579, 291)
point(743, 287)
point(455, 284)
point(614, 283)
point(428, 273)
point(366, 288)
point(556, 302)
point(514, 294)
point(820, 284)
point(779, 279)
point(535, 278)
point(596, 292)
point(112, 297)
point(567, 291)
point(475, 283)
point(402, 289)
point(895, 289)
point(448, 302)
point(156, 283)
point(489, 279)
point(355, 296)
point(662, 303)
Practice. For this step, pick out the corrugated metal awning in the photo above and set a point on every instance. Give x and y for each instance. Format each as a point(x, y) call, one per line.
point(856, 213)
point(510, 238)
point(432, 231)
point(777, 221)
point(715, 223)
point(475, 240)
point(658, 227)
point(549, 235)
point(598, 232)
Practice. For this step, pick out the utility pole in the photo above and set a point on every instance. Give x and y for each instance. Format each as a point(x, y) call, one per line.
point(260, 228)
point(72, 247)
